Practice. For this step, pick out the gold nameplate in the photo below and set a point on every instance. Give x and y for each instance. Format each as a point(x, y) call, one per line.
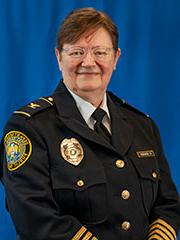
point(72, 151)
point(145, 153)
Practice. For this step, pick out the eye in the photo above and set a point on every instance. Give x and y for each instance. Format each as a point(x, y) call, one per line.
point(100, 53)
point(76, 52)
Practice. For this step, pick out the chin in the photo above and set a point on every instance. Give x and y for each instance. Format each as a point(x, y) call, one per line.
point(89, 86)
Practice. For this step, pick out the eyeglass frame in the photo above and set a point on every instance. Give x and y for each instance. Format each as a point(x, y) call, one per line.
point(86, 50)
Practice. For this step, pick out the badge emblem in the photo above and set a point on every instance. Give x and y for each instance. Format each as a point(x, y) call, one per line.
point(72, 151)
point(18, 149)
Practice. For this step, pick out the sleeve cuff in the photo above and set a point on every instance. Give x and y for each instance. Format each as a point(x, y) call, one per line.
point(83, 234)
point(161, 230)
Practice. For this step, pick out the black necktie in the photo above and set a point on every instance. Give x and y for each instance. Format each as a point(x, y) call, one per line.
point(98, 115)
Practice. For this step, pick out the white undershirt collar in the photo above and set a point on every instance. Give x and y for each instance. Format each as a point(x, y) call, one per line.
point(86, 109)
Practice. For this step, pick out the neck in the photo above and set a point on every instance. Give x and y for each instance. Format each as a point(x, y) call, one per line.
point(95, 98)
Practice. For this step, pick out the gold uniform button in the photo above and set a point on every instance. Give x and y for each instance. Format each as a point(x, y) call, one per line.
point(120, 163)
point(126, 225)
point(80, 183)
point(154, 175)
point(125, 194)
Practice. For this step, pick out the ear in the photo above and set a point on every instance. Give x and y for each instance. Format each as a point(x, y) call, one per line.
point(117, 56)
point(58, 57)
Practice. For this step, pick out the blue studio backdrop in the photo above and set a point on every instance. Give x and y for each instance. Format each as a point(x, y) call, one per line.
point(147, 76)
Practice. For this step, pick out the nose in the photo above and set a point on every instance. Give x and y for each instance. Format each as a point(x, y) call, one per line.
point(88, 60)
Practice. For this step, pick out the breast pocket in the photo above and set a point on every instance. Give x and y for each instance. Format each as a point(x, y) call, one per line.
point(148, 172)
point(80, 193)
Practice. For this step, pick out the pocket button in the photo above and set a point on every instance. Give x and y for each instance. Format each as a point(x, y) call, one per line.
point(154, 175)
point(125, 194)
point(80, 183)
point(126, 225)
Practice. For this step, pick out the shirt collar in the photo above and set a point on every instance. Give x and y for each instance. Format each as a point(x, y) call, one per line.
point(86, 109)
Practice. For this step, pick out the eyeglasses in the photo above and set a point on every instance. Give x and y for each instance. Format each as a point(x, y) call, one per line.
point(98, 53)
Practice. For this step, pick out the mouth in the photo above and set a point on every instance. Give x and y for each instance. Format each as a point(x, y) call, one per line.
point(88, 73)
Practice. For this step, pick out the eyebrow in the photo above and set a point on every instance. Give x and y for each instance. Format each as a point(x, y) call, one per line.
point(92, 47)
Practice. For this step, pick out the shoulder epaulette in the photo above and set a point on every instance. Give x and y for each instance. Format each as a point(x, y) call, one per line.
point(130, 107)
point(35, 106)
point(124, 104)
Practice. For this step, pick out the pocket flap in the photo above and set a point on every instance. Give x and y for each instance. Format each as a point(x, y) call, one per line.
point(76, 178)
point(147, 167)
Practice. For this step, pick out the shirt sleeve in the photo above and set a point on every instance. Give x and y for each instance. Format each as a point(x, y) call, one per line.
point(30, 198)
point(165, 215)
